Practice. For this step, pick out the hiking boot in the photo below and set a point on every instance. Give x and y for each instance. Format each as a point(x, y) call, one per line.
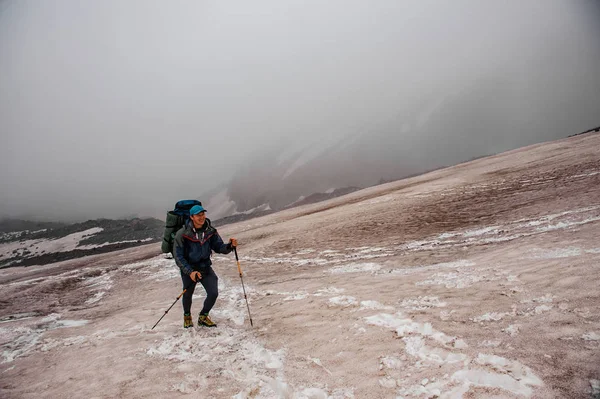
point(204, 320)
point(187, 321)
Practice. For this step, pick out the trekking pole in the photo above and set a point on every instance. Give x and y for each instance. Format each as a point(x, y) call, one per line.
point(167, 311)
point(244, 289)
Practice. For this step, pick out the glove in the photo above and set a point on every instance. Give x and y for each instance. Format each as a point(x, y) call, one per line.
point(233, 243)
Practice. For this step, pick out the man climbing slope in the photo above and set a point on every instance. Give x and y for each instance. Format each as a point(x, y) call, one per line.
point(193, 246)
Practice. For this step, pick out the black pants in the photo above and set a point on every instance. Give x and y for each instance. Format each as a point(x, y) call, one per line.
point(209, 281)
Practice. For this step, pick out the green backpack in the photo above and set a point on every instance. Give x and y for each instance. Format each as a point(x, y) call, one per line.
point(176, 219)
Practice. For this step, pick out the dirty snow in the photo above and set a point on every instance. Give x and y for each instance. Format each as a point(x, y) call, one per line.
point(39, 246)
point(466, 282)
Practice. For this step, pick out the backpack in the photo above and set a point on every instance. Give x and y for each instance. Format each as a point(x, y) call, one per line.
point(176, 219)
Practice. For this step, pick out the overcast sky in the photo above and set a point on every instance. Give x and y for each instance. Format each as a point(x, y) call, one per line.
point(116, 107)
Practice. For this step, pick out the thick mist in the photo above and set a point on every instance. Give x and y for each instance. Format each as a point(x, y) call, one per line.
point(119, 108)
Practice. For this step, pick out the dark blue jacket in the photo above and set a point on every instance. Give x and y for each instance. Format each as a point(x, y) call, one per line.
point(192, 247)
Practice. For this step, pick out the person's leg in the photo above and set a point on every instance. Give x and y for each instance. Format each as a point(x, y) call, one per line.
point(210, 282)
point(187, 296)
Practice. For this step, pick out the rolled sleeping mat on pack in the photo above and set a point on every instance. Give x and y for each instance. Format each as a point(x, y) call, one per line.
point(172, 224)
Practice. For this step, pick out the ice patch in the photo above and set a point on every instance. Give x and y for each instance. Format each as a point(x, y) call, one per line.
point(96, 298)
point(457, 280)
point(591, 336)
point(51, 344)
point(565, 225)
point(415, 346)
point(305, 251)
point(584, 175)
point(234, 308)
point(423, 391)
point(164, 274)
point(461, 381)
point(444, 236)
point(102, 282)
point(391, 362)
point(487, 379)
point(318, 393)
point(519, 377)
point(512, 330)
point(506, 232)
point(99, 285)
point(369, 250)
point(53, 321)
point(446, 315)
point(17, 316)
point(595, 384)
point(556, 253)
point(71, 323)
point(387, 382)
point(329, 291)
point(479, 232)
point(405, 327)
point(355, 268)
point(492, 316)
point(548, 298)
point(342, 301)
point(292, 260)
point(189, 348)
point(356, 248)
point(296, 297)
point(583, 312)
point(483, 371)
point(490, 344)
point(156, 269)
point(374, 305)
point(447, 265)
point(542, 309)
point(547, 218)
point(422, 303)
point(21, 341)
point(237, 355)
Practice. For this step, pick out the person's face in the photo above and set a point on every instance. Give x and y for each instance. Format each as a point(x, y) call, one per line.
point(198, 219)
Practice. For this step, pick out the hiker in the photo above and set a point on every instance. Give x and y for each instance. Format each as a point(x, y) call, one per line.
point(192, 248)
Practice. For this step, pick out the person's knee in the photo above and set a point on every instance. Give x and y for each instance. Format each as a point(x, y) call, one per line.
point(214, 293)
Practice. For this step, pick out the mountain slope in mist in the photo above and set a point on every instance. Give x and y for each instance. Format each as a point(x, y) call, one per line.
point(485, 116)
point(57, 242)
point(479, 280)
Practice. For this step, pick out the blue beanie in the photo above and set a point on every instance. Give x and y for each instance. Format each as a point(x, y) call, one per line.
point(196, 209)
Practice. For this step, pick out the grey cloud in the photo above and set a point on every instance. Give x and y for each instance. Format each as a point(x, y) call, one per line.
point(119, 107)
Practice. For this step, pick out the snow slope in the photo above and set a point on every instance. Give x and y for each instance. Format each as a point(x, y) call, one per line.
point(479, 280)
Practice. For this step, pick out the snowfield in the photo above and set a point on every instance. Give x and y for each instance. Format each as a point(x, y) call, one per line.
point(476, 281)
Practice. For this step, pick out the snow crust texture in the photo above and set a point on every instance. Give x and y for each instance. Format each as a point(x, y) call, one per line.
point(475, 281)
